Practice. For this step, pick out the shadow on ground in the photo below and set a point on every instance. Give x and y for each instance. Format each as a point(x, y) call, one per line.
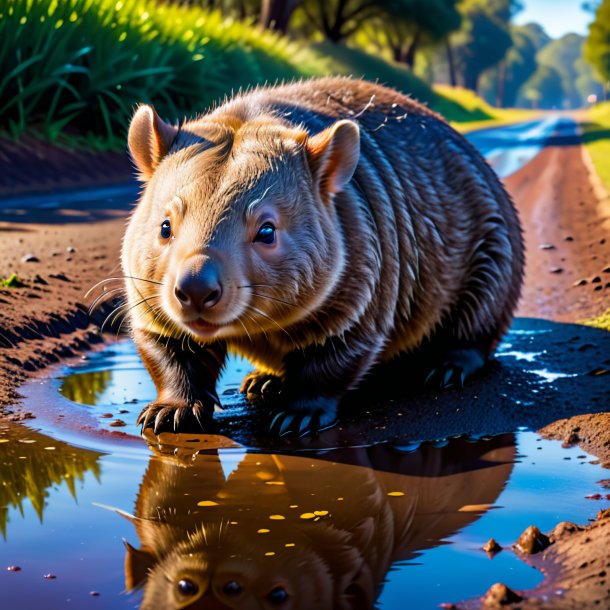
point(543, 371)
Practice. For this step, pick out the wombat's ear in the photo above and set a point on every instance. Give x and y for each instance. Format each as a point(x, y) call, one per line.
point(333, 156)
point(138, 563)
point(149, 139)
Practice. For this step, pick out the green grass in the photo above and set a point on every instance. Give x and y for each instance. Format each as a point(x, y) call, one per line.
point(468, 111)
point(71, 71)
point(596, 138)
point(81, 65)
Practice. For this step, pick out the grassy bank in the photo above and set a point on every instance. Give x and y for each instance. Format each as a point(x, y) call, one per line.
point(71, 71)
point(468, 111)
point(596, 137)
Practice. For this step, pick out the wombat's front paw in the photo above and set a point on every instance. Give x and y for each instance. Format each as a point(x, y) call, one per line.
point(304, 416)
point(176, 417)
point(258, 386)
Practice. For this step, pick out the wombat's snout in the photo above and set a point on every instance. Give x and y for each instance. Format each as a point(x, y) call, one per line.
point(198, 286)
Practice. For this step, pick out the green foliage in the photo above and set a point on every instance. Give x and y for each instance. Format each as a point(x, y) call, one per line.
point(406, 24)
point(73, 70)
point(596, 138)
point(31, 464)
point(83, 64)
point(563, 55)
point(484, 39)
point(597, 47)
point(500, 85)
point(543, 89)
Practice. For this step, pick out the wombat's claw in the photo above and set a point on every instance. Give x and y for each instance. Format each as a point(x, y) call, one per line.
point(175, 418)
point(445, 377)
point(301, 424)
point(260, 386)
point(457, 366)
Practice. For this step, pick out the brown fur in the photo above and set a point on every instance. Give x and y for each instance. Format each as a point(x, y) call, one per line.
point(336, 561)
point(421, 246)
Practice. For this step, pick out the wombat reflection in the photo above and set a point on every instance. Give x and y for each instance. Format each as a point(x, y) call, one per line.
point(320, 229)
point(299, 532)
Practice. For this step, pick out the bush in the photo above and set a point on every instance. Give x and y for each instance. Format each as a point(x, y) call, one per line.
point(81, 65)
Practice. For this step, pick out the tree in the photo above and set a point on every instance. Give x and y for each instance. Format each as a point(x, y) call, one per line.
point(339, 19)
point(500, 85)
point(543, 89)
point(483, 41)
point(408, 24)
point(562, 55)
point(275, 14)
point(597, 46)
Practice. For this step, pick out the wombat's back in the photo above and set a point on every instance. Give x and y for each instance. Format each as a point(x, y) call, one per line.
point(429, 230)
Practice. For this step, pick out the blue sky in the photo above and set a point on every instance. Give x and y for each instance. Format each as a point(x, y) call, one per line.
point(558, 17)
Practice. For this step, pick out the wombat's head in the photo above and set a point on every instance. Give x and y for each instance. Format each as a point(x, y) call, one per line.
point(237, 222)
point(197, 574)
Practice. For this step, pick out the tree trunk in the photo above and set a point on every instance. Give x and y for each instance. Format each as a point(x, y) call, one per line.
point(275, 14)
point(410, 54)
point(501, 82)
point(450, 63)
point(471, 80)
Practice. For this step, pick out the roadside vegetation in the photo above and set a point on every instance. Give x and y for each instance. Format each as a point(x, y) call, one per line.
point(596, 137)
point(71, 71)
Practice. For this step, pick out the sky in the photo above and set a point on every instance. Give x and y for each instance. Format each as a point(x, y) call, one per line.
point(558, 17)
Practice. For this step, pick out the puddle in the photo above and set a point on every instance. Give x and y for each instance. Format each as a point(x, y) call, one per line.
point(390, 506)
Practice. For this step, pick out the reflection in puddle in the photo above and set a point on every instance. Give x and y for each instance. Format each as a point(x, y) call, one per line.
point(267, 527)
point(349, 528)
point(390, 508)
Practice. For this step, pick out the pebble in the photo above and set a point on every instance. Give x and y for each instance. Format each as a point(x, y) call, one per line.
point(596, 280)
point(49, 576)
point(117, 423)
point(556, 270)
point(94, 593)
point(532, 541)
point(500, 595)
point(580, 282)
point(568, 238)
point(60, 276)
point(70, 249)
point(13, 569)
point(606, 270)
point(492, 547)
point(30, 258)
point(546, 246)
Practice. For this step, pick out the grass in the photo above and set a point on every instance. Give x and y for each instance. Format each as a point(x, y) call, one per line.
point(80, 65)
point(602, 321)
point(467, 111)
point(71, 71)
point(596, 138)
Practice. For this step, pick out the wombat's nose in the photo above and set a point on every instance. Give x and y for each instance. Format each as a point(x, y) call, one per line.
point(198, 288)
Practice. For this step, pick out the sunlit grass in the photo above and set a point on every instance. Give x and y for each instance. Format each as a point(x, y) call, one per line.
point(596, 137)
point(468, 111)
point(81, 65)
point(72, 71)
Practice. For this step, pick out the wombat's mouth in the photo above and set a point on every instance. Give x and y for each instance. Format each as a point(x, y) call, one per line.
point(204, 329)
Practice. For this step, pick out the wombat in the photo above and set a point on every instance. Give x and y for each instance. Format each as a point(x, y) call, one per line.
point(319, 228)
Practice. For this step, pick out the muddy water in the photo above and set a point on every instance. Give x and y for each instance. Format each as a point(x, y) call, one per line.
point(390, 507)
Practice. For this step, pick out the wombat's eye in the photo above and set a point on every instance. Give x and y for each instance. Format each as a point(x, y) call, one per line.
point(187, 587)
point(166, 229)
point(277, 595)
point(232, 588)
point(266, 234)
